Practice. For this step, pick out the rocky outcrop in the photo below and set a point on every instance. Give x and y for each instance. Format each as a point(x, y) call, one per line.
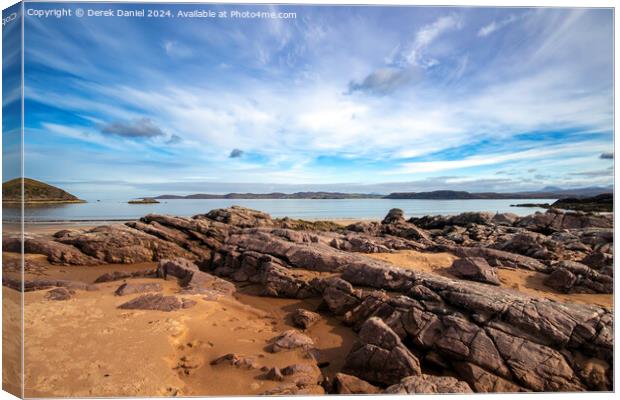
point(42, 284)
point(349, 384)
point(57, 253)
point(556, 220)
point(380, 356)
point(475, 269)
point(425, 384)
point(191, 278)
point(157, 302)
point(133, 288)
point(236, 360)
point(395, 215)
point(120, 275)
point(409, 322)
point(574, 277)
point(120, 244)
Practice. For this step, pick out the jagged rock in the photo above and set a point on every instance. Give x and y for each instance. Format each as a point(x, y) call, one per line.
point(42, 284)
point(304, 318)
point(496, 258)
point(555, 220)
point(349, 384)
point(291, 340)
point(57, 253)
point(274, 374)
point(157, 302)
point(535, 366)
point(464, 219)
point(241, 217)
point(506, 219)
point(279, 281)
point(483, 381)
point(293, 389)
point(119, 275)
point(533, 245)
point(191, 278)
point(428, 384)
point(339, 295)
point(120, 244)
point(133, 288)
point(60, 293)
point(395, 215)
point(303, 374)
point(380, 356)
point(369, 228)
point(570, 276)
point(236, 360)
point(476, 269)
point(598, 260)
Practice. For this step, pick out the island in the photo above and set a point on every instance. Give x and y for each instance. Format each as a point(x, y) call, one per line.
point(146, 200)
point(35, 193)
point(601, 203)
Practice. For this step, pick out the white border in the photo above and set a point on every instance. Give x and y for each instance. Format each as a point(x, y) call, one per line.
point(481, 3)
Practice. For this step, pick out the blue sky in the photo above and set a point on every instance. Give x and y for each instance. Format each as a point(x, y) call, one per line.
point(371, 99)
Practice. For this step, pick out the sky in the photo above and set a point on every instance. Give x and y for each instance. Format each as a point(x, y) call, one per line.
point(351, 99)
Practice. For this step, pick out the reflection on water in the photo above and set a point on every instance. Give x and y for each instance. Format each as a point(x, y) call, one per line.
point(294, 208)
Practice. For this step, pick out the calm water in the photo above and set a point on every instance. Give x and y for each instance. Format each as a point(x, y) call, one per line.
point(305, 209)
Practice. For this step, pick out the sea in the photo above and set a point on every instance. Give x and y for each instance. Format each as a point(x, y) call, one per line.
point(309, 209)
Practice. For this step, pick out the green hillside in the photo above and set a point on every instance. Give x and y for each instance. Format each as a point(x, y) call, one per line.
point(35, 192)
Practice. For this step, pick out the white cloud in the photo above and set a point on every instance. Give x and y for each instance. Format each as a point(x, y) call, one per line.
point(493, 26)
point(426, 35)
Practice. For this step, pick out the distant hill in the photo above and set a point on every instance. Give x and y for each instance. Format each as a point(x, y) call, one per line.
point(35, 192)
point(462, 195)
point(602, 202)
point(298, 195)
point(434, 195)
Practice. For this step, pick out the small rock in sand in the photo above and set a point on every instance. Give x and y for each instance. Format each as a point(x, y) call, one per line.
point(157, 302)
point(60, 293)
point(304, 318)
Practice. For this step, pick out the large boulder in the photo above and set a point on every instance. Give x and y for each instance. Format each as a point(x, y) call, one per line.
point(120, 244)
point(291, 340)
point(574, 277)
point(475, 269)
point(395, 215)
point(57, 253)
point(191, 278)
point(240, 217)
point(349, 384)
point(425, 384)
point(380, 356)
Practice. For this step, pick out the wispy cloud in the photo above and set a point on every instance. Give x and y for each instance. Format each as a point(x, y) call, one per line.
point(427, 35)
point(493, 26)
point(140, 128)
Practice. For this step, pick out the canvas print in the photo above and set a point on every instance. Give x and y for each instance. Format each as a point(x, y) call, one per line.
point(248, 199)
